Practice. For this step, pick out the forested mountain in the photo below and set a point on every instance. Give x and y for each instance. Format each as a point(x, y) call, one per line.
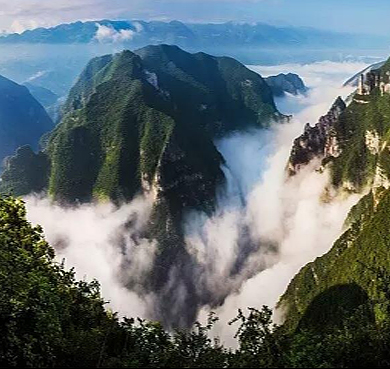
point(353, 144)
point(129, 109)
point(128, 128)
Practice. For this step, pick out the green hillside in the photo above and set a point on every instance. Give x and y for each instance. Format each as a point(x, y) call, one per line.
point(332, 287)
point(135, 119)
point(145, 122)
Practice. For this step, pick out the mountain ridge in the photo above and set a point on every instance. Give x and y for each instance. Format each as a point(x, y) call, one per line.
point(187, 34)
point(349, 277)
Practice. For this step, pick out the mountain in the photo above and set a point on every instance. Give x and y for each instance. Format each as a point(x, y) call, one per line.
point(49, 100)
point(23, 120)
point(145, 122)
point(131, 109)
point(286, 83)
point(53, 57)
point(191, 35)
point(318, 141)
point(46, 97)
point(351, 279)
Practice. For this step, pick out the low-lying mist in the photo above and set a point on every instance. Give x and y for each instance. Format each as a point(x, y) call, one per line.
point(101, 242)
point(263, 231)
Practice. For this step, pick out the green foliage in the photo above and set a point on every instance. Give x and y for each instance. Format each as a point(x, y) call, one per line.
point(131, 116)
point(25, 172)
point(47, 318)
point(363, 246)
point(357, 164)
point(332, 287)
point(260, 343)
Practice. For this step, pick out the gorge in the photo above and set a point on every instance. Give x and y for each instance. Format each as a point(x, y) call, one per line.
point(228, 244)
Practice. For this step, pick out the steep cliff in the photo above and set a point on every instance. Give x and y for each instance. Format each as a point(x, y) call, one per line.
point(320, 141)
point(352, 273)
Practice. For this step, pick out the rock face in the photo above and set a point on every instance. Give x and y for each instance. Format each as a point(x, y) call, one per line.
point(286, 83)
point(23, 120)
point(146, 122)
point(331, 288)
point(319, 141)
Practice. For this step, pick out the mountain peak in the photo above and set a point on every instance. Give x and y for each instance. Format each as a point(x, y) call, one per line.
point(286, 83)
point(339, 104)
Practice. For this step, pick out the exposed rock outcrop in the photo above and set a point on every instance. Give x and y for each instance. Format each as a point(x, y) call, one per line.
point(318, 141)
point(354, 143)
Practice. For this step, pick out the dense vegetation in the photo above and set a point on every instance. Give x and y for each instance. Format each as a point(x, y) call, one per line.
point(50, 319)
point(146, 121)
point(344, 280)
point(128, 125)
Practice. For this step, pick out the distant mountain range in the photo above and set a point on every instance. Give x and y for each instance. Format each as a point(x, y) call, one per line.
point(53, 57)
point(141, 33)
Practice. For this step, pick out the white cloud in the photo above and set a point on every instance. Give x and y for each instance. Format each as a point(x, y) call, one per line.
point(102, 242)
point(107, 34)
point(19, 15)
point(288, 214)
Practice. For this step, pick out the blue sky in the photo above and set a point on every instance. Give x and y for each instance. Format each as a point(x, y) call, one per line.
point(342, 15)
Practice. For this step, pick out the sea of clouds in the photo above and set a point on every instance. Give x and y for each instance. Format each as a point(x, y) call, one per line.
point(263, 231)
